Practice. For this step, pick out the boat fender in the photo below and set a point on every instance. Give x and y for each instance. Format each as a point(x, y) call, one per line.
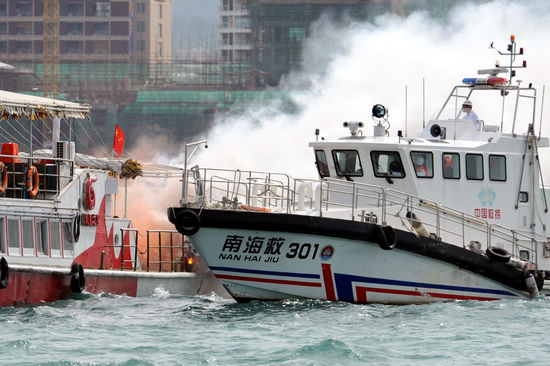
point(31, 181)
point(4, 181)
point(188, 222)
point(78, 280)
point(517, 263)
point(498, 254)
point(385, 237)
point(4, 273)
point(76, 228)
point(417, 224)
point(531, 285)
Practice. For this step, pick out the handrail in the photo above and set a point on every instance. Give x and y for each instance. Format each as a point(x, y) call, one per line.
point(339, 196)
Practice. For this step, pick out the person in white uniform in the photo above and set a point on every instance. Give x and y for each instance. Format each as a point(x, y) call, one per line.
point(470, 115)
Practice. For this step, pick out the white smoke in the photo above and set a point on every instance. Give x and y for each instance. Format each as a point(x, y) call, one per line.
point(348, 70)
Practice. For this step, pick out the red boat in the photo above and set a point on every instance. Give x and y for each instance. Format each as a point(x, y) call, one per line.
point(59, 232)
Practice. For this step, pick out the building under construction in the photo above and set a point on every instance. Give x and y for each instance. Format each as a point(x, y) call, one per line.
point(117, 56)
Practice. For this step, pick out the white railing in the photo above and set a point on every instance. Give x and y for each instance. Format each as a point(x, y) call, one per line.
point(235, 189)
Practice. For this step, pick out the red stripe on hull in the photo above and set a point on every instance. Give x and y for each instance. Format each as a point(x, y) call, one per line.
point(329, 283)
point(34, 288)
point(362, 294)
point(112, 285)
point(269, 280)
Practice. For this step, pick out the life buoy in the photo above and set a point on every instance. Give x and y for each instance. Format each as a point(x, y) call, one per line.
point(498, 254)
point(31, 181)
point(4, 181)
point(187, 222)
point(4, 273)
point(90, 193)
point(385, 237)
point(76, 228)
point(78, 281)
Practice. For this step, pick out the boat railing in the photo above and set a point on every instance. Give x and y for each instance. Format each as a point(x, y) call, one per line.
point(371, 203)
point(233, 188)
point(168, 251)
point(230, 189)
point(53, 173)
point(134, 246)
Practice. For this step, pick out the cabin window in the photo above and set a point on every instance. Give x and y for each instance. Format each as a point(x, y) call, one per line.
point(387, 164)
point(67, 237)
point(42, 236)
point(474, 166)
point(523, 196)
point(28, 235)
point(55, 237)
point(347, 163)
point(497, 168)
point(524, 255)
point(423, 164)
point(14, 238)
point(451, 165)
point(2, 235)
point(322, 163)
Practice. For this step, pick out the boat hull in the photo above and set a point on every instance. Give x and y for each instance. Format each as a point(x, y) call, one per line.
point(29, 284)
point(276, 256)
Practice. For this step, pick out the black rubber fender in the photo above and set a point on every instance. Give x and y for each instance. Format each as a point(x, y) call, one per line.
point(188, 222)
point(498, 254)
point(4, 273)
point(385, 237)
point(78, 280)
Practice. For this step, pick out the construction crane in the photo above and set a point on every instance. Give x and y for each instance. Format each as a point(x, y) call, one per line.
point(50, 52)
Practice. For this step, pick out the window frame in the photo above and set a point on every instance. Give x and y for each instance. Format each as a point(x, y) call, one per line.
point(29, 222)
point(317, 163)
point(3, 232)
point(443, 165)
point(388, 152)
point(337, 164)
point(482, 166)
point(414, 165)
point(12, 249)
point(505, 168)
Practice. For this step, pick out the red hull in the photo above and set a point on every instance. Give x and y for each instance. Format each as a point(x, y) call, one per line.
point(34, 288)
point(112, 285)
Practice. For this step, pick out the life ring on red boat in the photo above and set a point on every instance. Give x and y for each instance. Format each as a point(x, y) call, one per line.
point(385, 237)
point(187, 222)
point(78, 280)
point(31, 181)
point(90, 193)
point(498, 254)
point(4, 273)
point(76, 228)
point(4, 181)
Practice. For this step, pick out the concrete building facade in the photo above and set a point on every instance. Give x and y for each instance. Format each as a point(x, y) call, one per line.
point(88, 30)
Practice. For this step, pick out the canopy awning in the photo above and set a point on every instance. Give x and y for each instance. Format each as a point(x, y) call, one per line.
point(32, 107)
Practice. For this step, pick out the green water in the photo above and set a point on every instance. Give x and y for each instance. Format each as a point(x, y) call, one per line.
point(177, 330)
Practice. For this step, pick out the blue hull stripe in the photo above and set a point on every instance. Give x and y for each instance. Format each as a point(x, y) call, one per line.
point(268, 273)
point(345, 288)
point(344, 282)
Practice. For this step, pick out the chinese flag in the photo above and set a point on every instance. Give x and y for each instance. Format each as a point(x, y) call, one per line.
point(118, 143)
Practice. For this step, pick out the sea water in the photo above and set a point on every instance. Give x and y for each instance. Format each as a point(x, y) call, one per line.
point(178, 330)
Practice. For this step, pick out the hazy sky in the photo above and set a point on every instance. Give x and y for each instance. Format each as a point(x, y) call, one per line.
point(207, 9)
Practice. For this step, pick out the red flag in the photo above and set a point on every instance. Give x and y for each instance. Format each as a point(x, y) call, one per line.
point(118, 143)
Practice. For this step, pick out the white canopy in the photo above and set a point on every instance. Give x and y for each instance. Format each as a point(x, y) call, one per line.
point(30, 106)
